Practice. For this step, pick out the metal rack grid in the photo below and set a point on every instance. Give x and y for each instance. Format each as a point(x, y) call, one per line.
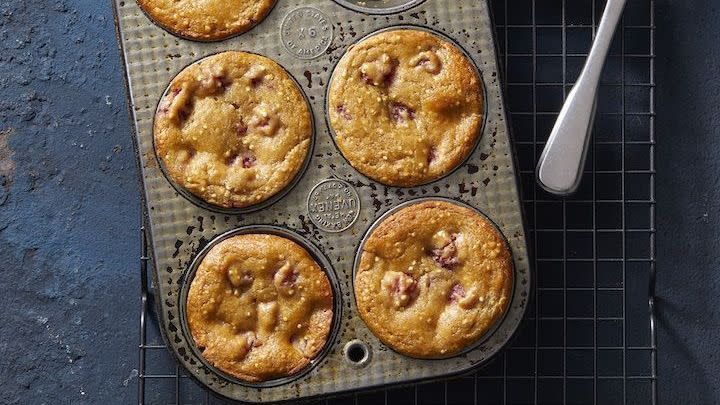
point(589, 338)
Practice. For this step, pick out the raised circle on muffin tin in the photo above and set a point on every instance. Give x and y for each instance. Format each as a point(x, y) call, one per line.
point(379, 6)
point(201, 40)
point(314, 252)
point(255, 207)
point(476, 69)
point(484, 337)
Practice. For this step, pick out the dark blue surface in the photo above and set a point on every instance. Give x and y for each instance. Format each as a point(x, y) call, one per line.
point(688, 191)
point(70, 202)
point(69, 208)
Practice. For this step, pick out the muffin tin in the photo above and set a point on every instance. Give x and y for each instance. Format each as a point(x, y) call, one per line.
point(332, 206)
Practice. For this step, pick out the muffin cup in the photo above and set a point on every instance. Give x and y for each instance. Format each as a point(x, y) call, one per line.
point(478, 72)
point(482, 339)
point(252, 208)
point(314, 252)
point(386, 6)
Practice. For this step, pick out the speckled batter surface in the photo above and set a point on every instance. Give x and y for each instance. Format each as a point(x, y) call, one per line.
point(207, 20)
point(406, 107)
point(433, 278)
point(259, 307)
point(233, 129)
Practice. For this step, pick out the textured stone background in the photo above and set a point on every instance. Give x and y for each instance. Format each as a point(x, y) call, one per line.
point(688, 193)
point(70, 205)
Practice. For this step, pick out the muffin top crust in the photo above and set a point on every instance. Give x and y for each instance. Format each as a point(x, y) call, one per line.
point(259, 307)
point(433, 278)
point(233, 129)
point(206, 20)
point(406, 107)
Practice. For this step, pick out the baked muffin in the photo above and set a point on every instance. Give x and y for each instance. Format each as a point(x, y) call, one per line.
point(233, 129)
point(259, 307)
point(206, 20)
point(433, 278)
point(406, 107)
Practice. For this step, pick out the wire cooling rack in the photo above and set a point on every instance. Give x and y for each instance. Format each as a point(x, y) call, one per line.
point(589, 338)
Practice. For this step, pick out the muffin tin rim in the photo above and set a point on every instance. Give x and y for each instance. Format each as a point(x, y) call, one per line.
point(315, 253)
point(352, 6)
point(272, 199)
point(511, 293)
point(443, 36)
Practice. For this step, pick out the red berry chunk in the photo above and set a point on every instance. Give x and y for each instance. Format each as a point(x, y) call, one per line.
point(401, 113)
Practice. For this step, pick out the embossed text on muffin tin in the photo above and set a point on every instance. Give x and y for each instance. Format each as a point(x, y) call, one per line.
point(333, 205)
point(306, 32)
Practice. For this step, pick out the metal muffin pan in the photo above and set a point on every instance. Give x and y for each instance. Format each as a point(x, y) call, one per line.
point(332, 206)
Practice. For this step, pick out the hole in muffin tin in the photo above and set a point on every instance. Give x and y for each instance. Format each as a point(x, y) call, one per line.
point(443, 36)
point(379, 6)
point(357, 353)
point(255, 207)
point(314, 252)
point(482, 339)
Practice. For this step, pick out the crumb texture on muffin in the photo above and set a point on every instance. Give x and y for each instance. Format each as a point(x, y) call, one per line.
point(233, 129)
point(259, 307)
point(433, 278)
point(206, 20)
point(406, 107)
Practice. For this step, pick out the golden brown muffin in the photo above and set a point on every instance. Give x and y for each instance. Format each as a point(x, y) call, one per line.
point(433, 279)
point(259, 307)
point(206, 20)
point(233, 129)
point(406, 107)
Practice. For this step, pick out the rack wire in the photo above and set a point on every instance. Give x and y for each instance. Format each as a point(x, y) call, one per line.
point(589, 337)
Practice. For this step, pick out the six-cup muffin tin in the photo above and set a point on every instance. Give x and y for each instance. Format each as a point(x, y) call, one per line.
point(331, 206)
